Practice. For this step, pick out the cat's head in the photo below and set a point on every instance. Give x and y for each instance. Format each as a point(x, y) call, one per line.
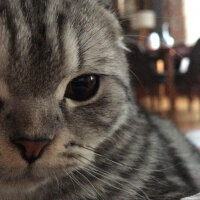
point(63, 86)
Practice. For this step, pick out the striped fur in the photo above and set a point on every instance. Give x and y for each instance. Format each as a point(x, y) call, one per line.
point(106, 148)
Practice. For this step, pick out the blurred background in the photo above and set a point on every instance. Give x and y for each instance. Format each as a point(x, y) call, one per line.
point(163, 37)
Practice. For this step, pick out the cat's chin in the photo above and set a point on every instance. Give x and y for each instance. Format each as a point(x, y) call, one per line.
point(23, 181)
point(21, 185)
point(27, 180)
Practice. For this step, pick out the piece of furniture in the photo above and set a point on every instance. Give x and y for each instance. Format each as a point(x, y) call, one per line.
point(145, 79)
point(172, 58)
point(166, 54)
point(188, 83)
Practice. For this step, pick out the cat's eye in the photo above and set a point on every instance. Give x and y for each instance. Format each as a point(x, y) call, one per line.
point(83, 87)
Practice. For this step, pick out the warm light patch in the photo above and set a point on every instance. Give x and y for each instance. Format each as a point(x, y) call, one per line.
point(160, 66)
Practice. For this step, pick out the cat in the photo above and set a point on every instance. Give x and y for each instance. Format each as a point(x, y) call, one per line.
point(70, 127)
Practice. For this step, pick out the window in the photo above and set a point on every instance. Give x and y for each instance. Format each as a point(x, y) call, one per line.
point(192, 14)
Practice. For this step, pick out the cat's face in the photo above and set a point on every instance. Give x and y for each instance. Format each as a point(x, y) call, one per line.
point(63, 80)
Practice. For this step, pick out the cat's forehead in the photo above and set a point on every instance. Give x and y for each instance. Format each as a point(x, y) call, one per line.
point(42, 43)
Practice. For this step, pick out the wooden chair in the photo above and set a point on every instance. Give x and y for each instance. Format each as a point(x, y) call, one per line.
point(144, 77)
point(188, 84)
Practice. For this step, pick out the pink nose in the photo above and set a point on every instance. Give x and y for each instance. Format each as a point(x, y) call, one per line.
point(31, 150)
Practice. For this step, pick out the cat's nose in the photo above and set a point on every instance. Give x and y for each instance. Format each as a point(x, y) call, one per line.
point(31, 150)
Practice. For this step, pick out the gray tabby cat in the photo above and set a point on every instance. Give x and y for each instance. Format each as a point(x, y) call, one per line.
point(70, 129)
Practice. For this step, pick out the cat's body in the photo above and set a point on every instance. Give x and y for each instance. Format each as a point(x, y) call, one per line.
point(102, 146)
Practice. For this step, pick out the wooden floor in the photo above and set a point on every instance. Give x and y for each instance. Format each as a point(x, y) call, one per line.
point(184, 118)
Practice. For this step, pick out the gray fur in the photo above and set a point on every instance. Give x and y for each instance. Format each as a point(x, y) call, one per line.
point(105, 148)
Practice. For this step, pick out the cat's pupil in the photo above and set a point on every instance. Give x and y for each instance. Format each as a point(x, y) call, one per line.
point(82, 88)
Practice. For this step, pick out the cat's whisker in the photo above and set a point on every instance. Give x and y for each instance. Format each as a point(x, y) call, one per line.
point(71, 176)
point(72, 180)
point(90, 183)
point(105, 175)
point(93, 165)
point(94, 171)
point(85, 187)
point(165, 45)
point(137, 78)
point(136, 35)
point(88, 148)
point(81, 185)
point(124, 165)
point(124, 181)
point(93, 174)
point(57, 181)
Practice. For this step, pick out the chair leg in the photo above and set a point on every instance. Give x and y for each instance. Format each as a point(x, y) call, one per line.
point(190, 100)
point(161, 95)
